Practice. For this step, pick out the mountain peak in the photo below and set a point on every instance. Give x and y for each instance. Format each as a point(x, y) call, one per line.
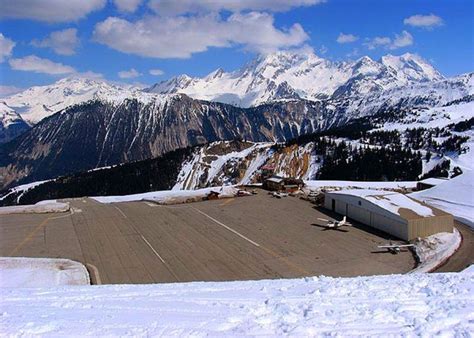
point(411, 67)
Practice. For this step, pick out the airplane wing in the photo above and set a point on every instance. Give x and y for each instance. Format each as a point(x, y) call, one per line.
point(323, 219)
point(394, 246)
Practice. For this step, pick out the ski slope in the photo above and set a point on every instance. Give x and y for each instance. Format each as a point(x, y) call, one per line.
point(417, 304)
point(455, 196)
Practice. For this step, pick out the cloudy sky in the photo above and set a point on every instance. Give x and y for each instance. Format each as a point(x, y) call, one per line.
point(146, 41)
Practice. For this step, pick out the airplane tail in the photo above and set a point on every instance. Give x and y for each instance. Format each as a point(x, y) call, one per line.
point(344, 220)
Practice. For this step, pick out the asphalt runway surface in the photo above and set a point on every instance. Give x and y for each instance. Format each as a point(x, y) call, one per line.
point(464, 256)
point(243, 238)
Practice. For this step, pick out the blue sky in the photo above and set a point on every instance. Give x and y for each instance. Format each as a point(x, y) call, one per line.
point(127, 40)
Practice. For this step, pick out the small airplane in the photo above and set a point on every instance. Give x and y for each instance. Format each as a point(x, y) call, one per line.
point(280, 194)
point(335, 224)
point(395, 248)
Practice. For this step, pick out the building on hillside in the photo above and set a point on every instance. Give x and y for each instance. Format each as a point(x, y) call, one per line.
point(390, 212)
point(430, 183)
point(288, 184)
point(266, 171)
point(274, 183)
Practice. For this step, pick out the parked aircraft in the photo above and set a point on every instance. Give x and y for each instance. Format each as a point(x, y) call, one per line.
point(395, 248)
point(332, 224)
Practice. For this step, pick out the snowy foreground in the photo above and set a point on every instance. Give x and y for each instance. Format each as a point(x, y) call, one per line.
point(424, 304)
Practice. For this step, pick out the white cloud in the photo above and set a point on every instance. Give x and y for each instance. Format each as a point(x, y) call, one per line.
point(180, 37)
point(424, 21)
point(129, 74)
point(401, 40)
point(177, 7)
point(127, 5)
point(89, 75)
point(32, 63)
point(353, 53)
point(323, 50)
point(346, 38)
point(377, 42)
point(62, 42)
point(6, 47)
point(156, 72)
point(9, 90)
point(49, 10)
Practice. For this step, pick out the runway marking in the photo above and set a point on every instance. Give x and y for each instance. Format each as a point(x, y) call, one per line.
point(116, 207)
point(153, 205)
point(29, 237)
point(153, 249)
point(227, 202)
point(270, 252)
point(159, 257)
point(149, 245)
point(94, 269)
point(226, 227)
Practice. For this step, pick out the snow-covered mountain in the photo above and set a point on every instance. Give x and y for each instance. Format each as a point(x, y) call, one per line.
point(36, 103)
point(287, 75)
point(11, 123)
point(290, 94)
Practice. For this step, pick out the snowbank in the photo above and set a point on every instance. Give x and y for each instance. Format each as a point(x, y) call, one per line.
point(469, 269)
point(20, 272)
point(170, 196)
point(455, 196)
point(434, 250)
point(393, 305)
point(336, 185)
point(42, 207)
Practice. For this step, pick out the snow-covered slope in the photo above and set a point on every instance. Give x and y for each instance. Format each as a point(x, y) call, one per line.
point(230, 162)
point(455, 196)
point(222, 163)
point(287, 75)
point(36, 103)
point(395, 305)
point(11, 124)
point(415, 99)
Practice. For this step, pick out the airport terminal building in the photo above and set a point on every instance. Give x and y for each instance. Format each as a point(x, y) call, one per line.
point(391, 212)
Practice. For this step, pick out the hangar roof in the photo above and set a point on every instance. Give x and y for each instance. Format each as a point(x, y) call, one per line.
point(392, 201)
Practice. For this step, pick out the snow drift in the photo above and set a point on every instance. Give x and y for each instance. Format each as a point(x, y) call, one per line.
point(170, 196)
point(21, 272)
point(43, 207)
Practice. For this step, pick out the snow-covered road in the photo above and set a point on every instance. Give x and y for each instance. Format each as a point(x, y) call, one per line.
point(425, 304)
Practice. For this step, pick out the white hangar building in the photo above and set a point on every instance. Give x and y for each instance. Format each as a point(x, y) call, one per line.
point(390, 212)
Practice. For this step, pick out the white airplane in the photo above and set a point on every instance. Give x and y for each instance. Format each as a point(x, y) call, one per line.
point(335, 224)
point(395, 248)
point(280, 194)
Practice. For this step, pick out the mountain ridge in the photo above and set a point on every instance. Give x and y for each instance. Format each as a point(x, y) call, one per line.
point(306, 74)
